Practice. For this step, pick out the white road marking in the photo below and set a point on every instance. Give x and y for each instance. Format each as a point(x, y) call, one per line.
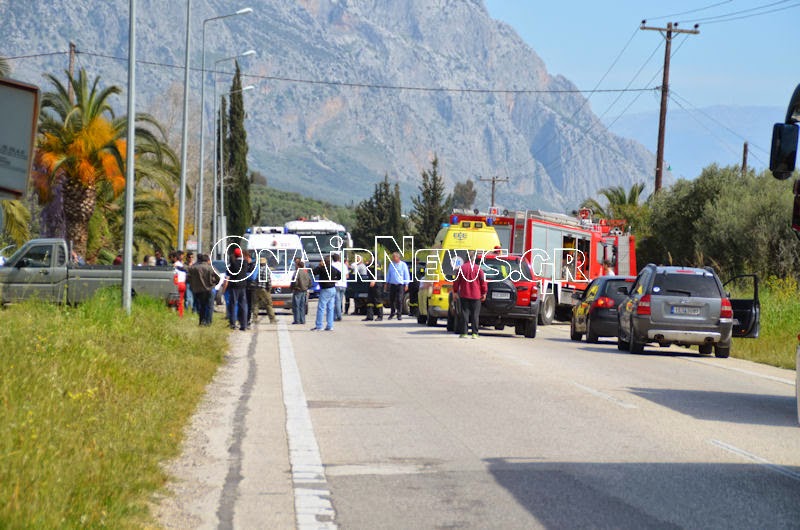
point(781, 380)
point(603, 395)
point(352, 470)
point(757, 459)
point(312, 497)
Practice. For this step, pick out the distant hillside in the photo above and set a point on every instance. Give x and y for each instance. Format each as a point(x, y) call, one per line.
point(273, 207)
point(694, 140)
point(330, 114)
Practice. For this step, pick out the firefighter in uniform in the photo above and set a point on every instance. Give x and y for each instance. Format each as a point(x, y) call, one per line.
point(375, 295)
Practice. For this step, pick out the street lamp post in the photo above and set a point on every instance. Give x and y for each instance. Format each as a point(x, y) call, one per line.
point(222, 166)
point(127, 249)
point(215, 213)
point(202, 120)
point(184, 131)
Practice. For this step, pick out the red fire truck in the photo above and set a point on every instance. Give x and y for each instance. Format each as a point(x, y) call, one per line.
point(565, 252)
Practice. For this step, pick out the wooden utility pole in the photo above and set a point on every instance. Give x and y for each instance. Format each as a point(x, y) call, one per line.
point(668, 32)
point(72, 51)
point(744, 160)
point(494, 180)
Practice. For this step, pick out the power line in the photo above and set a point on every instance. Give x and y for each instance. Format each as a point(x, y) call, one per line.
point(754, 14)
point(706, 127)
point(35, 55)
point(733, 13)
point(690, 11)
point(383, 87)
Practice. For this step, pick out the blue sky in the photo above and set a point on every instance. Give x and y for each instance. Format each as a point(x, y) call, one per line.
point(751, 61)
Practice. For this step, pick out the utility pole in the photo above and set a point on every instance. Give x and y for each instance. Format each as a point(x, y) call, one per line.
point(669, 32)
point(494, 180)
point(72, 51)
point(744, 160)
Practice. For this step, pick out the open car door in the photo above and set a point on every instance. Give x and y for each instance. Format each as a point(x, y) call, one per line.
point(746, 306)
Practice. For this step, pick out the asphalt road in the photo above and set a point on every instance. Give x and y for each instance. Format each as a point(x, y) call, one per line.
point(395, 425)
point(417, 428)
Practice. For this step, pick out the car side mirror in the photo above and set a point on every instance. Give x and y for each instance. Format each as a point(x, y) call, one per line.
point(783, 154)
point(623, 290)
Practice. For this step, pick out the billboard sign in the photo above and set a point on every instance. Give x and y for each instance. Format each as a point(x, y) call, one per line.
point(19, 108)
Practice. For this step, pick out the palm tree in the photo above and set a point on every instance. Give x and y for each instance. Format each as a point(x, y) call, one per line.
point(82, 147)
point(5, 68)
point(621, 202)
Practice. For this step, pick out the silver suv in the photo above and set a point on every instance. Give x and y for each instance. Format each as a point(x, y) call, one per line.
point(685, 306)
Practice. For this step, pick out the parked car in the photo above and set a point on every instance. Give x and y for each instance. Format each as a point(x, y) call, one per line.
point(512, 298)
point(595, 314)
point(357, 289)
point(686, 306)
point(40, 269)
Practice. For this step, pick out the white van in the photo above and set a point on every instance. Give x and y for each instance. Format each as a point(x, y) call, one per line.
point(280, 250)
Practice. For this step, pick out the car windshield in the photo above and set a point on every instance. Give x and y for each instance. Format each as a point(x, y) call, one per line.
point(314, 244)
point(678, 284)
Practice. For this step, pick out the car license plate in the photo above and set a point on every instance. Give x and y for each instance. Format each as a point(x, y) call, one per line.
point(684, 310)
point(501, 296)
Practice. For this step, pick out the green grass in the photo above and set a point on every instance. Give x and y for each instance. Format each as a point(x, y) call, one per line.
point(91, 401)
point(780, 325)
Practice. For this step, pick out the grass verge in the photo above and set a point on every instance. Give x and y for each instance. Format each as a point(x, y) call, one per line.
point(780, 324)
point(91, 401)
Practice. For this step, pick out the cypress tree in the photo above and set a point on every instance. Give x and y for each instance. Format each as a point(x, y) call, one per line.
point(237, 207)
point(431, 207)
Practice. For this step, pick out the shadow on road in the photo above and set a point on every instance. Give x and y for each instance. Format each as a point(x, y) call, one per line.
point(754, 409)
point(644, 495)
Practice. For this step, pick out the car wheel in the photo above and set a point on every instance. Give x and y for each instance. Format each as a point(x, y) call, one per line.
point(705, 349)
point(530, 329)
point(722, 351)
point(591, 337)
point(547, 311)
point(574, 335)
point(634, 344)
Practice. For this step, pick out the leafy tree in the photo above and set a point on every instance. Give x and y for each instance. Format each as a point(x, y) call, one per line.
point(275, 207)
point(238, 209)
point(431, 207)
point(16, 221)
point(379, 215)
point(464, 194)
point(621, 204)
point(81, 153)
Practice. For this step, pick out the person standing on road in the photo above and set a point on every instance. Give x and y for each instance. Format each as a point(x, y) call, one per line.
point(341, 285)
point(300, 286)
point(237, 289)
point(397, 279)
point(470, 289)
point(190, 305)
point(251, 285)
point(326, 276)
point(179, 279)
point(262, 298)
point(160, 261)
point(202, 279)
point(375, 295)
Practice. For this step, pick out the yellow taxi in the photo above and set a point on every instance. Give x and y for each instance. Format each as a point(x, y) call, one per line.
point(451, 244)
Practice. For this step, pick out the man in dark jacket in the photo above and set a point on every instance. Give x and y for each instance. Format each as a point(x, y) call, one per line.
point(202, 279)
point(237, 287)
point(327, 276)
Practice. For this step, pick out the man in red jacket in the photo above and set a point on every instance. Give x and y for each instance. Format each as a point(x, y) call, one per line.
point(470, 289)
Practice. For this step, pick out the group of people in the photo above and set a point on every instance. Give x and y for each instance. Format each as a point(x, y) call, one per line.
point(247, 290)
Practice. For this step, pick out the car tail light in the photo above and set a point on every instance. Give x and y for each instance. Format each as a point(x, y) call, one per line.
point(643, 307)
point(726, 311)
point(603, 302)
point(437, 288)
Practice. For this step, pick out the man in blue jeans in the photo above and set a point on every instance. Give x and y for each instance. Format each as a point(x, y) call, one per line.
point(326, 276)
point(300, 286)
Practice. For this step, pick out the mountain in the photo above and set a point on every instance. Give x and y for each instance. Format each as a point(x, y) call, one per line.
point(696, 138)
point(329, 117)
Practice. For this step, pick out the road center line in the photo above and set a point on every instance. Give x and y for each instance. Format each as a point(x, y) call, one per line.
point(603, 395)
point(312, 496)
point(757, 459)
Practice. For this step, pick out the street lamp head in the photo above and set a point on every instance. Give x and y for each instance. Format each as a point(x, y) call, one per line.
point(245, 11)
point(248, 53)
point(248, 87)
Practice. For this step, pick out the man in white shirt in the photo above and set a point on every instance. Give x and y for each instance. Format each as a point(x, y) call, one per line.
point(341, 285)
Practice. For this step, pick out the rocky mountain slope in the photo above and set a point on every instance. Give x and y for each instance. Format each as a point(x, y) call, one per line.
point(329, 116)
